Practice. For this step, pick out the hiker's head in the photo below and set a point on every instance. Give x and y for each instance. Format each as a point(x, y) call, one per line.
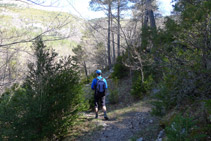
point(99, 72)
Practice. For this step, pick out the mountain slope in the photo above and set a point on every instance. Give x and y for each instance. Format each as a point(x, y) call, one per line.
point(25, 23)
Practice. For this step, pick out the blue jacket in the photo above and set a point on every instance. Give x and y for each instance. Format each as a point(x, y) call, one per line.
point(94, 82)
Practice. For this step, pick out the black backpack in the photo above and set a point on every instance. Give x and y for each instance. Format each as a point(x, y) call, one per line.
point(100, 86)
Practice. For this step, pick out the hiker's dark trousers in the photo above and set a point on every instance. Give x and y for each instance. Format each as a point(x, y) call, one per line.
point(99, 99)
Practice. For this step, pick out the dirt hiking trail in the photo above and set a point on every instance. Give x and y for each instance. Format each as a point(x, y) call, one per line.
point(134, 123)
point(129, 119)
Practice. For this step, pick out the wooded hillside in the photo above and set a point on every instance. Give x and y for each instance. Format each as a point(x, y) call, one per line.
point(48, 60)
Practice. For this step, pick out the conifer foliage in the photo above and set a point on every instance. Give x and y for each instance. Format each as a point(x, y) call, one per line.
point(46, 104)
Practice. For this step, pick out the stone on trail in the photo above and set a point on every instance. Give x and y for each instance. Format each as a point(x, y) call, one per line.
point(140, 139)
point(160, 135)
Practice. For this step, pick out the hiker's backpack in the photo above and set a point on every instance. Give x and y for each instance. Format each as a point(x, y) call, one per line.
point(100, 86)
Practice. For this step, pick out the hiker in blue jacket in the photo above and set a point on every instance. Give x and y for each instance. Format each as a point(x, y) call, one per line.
point(99, 84)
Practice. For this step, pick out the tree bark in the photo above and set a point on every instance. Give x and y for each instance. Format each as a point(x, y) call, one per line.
point(109, 30)
point(152, 19)
point(146, 18)
point(113, 43)
point(149, 15)
point(118, 28)
point(85, 69)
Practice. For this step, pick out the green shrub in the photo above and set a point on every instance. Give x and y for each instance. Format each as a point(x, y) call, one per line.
point(114, 93)
point(208, 108)
point(179, 88)
point(207, 128)
point(182, 129)
point(13, 108)
point(120, 70)
point(139, 88)
point(91, 101)
point(87, 80)
point(47, 103)
point(113, 96)
point(167, 96)
point(89, 96)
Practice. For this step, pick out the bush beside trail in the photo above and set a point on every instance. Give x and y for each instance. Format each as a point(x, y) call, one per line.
point(47, 104)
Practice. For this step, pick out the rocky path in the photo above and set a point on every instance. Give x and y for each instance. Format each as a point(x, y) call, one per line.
point(130, 123)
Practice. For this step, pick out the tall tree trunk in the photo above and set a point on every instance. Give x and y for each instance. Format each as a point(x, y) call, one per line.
point(152, 19)
point(142, 16)
point(149, 15)
point(146, 18)
point(118, 28)
point(85, 69)
point(109, 30)
point(114, 51)
point(113, 43)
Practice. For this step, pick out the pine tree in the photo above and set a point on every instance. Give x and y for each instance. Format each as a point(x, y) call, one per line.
point(47, 103)
point(120, 6)
point(80, 58)
point(99, 5)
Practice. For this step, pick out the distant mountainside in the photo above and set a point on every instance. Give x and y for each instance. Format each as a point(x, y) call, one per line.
point(20, 24)
point(25, 22)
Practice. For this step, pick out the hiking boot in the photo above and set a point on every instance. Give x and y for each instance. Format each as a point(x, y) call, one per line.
point(96, 116)
point(106, 118)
